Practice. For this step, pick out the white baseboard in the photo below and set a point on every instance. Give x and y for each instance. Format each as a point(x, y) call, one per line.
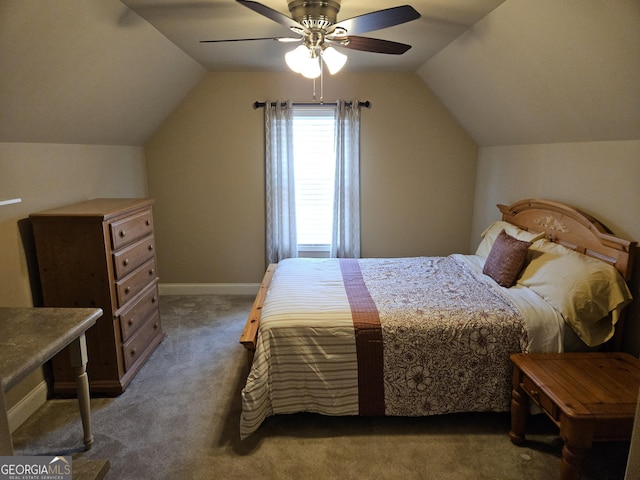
point(27, 405)
point(208, 288)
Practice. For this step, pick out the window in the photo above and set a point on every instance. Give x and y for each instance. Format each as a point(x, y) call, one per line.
point(329, 221)
point(314, 171)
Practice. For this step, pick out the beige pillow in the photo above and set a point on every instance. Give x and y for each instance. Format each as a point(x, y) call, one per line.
point(583, 289)
point(492, 231)
point(506, 259)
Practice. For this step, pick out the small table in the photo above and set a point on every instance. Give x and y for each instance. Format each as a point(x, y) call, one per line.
point(29, 337)
point(589, 396)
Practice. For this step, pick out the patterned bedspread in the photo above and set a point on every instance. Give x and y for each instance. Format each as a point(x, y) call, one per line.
point(446, 336)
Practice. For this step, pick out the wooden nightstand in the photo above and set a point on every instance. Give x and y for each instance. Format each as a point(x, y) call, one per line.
point(590, 396)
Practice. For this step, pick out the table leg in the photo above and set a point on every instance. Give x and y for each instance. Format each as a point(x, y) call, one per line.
point(78, 352)
point(577, 437)
point(6, 446)
point(519, 413)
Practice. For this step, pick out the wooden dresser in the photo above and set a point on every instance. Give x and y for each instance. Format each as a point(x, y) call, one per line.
point(101, 253)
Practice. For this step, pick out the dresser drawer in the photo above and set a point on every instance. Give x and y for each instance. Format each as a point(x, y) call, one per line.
point(136, 315)
point(130, 229)
point(129, 258)
point(540, 398)
point(140, 340)
point(129, 286)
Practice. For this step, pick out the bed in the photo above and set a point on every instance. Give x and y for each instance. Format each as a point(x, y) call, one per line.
point(432, 335)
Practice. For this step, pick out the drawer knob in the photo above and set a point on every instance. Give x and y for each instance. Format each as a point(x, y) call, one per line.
point(154, 299)
point(148, 222)
point(125, 262)
point(123, 233)
point(127, 290)
point(130, 322)
point(151, 247)
point(155, 325)
point(133, 352)
point(152, 271)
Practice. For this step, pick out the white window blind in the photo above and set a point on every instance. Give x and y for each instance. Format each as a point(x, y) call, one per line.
point(314, 169)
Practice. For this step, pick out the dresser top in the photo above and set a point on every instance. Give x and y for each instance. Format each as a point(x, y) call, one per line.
point(98, 207)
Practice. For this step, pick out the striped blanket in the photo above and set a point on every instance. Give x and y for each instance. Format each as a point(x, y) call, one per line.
point(404, 336)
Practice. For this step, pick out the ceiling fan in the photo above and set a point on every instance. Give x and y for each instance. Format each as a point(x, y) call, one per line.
point(316, 26)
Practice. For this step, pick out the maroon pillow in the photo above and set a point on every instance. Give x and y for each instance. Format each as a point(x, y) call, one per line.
point(506, 259)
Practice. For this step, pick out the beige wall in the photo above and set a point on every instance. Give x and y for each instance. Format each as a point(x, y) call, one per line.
point(46, 176)
point(601, 178)
point(49, 175)
point(205, 170)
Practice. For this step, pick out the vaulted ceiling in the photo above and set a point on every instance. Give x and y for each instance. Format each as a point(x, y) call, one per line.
point(511, 71)
point(545, 71)
point(86, 72)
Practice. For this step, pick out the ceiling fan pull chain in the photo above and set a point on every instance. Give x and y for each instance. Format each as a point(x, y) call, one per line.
point(321, 80)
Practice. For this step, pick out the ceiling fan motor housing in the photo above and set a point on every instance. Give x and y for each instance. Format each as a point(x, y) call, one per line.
point(315, 14)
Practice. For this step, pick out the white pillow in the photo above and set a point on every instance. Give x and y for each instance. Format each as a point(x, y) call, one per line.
point(492, 231)
point(583, 289)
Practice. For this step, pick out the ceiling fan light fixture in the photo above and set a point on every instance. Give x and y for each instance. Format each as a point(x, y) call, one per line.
point(311, 68)
point(333, 59)
point(302, 61)
point(296, 58)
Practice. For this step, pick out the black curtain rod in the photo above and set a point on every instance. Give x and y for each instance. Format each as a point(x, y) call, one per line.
point(366, 104)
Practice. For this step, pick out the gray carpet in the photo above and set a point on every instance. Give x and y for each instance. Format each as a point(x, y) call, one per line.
point(179, 420)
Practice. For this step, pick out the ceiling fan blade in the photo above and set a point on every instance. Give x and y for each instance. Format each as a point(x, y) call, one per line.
point(279, 39)
point(272, 14)
point(375, 45)
point(377, 20)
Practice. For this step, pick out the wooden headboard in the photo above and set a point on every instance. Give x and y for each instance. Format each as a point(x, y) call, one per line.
point(574, 229)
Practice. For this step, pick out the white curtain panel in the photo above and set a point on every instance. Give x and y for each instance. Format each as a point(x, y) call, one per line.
point(281, 241)
point(346, 207)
